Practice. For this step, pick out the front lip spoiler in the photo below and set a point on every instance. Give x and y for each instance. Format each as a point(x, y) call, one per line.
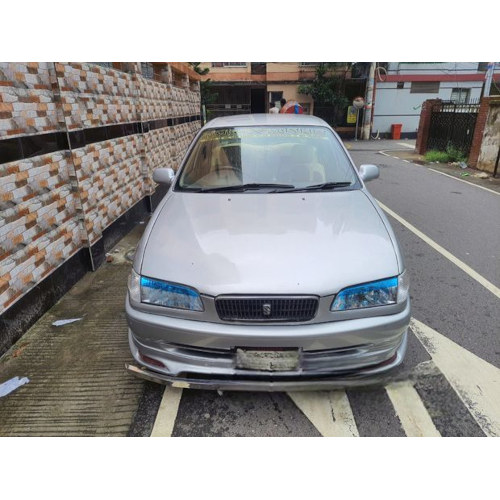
point(376, 375)
point(324, 384)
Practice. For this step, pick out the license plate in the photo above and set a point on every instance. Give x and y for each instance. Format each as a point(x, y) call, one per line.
point(267, 360)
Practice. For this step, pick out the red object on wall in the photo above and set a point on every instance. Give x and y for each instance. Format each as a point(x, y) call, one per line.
point(292, 107)
point(396, 130)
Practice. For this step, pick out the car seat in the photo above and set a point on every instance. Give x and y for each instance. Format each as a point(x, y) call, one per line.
point(301, 167)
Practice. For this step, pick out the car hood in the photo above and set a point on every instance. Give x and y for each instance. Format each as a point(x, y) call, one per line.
point(288, 243)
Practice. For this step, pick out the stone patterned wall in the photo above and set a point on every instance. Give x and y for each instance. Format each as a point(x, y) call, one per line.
point(110, 181)
point(109, 173)
point(92, 96)
point(54, 204)
point(27, 104)
point(158, 151)
point(39, 226)
point(182, 137)
point(154, 99)
point(165, 147)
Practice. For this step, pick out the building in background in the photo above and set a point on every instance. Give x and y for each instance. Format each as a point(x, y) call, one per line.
point(249, 87)
point(402, 87)
point(78, 146)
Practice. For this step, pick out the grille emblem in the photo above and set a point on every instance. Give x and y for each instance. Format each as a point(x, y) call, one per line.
point(266, 309)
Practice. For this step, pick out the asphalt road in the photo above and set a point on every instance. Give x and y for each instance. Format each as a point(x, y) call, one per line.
point(449, 382)
point(463, 219)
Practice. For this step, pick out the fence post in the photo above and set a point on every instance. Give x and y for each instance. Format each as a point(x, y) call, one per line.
point(424, 125)
point(477, 138)
point(451, 130)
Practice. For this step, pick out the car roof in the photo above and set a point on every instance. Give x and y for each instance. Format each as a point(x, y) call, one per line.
point(260, 119)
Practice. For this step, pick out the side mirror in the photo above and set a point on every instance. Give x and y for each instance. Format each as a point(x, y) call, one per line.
point(164, 175)
point(369, 172)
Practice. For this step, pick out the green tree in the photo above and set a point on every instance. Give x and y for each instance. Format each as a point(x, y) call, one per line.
point(327, 88)
point(207, 95)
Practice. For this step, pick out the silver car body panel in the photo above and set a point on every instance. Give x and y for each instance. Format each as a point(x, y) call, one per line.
point(337, 354)
point(156, 330)
point(292, 243)
point(379, 374)
point(268, 244)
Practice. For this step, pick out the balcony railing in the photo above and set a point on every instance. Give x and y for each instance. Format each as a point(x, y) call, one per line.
point(229, 65)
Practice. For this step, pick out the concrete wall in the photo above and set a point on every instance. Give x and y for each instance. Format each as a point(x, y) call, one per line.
point(490, 143)
point(40, 224)
point(78, 146)
point(289, 72)
point(485, 136)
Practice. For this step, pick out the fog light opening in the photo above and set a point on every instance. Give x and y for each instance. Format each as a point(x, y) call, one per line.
point(390, 360)
point(151, 361)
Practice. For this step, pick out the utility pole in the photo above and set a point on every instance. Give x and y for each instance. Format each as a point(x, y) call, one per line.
point(489, 78)
point(367, 117)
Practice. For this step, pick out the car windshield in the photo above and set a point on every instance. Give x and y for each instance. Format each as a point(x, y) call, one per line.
point(276, 159)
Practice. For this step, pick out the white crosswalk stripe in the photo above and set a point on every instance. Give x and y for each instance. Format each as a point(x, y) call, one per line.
point(167, 413)
point(412, 414)
point(330, 412)
point(476, 381)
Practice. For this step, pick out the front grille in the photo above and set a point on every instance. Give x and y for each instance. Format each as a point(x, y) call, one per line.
point(266, 308)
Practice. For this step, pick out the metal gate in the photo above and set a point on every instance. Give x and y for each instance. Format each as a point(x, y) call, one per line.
point(452, 124)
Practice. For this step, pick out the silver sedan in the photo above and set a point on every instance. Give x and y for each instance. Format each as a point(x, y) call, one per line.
point(268, 265)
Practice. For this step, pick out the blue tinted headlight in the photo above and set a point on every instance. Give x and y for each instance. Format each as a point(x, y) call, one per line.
point(376, 293)
point(162, 293)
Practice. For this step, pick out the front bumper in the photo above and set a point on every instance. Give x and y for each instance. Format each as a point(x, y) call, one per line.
point(199, 354)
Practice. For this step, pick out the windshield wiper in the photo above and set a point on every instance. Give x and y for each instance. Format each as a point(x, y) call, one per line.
point(325, 186)
point(244, 187)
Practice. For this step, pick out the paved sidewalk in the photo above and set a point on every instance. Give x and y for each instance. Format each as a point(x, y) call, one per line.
point(78, 384)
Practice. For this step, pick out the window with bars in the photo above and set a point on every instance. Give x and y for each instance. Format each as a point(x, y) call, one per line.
point(424, 88)
point(460, 96)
